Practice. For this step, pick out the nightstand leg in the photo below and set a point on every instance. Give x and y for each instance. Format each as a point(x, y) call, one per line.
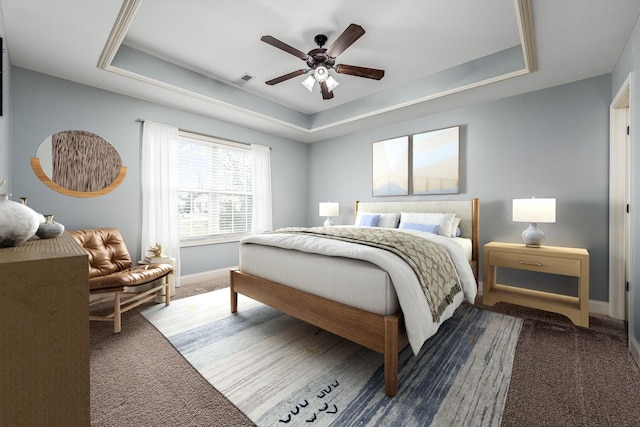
point(583, 298)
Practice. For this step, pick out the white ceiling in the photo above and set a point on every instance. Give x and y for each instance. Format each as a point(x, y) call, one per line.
point(223, 40)
point(220, 40)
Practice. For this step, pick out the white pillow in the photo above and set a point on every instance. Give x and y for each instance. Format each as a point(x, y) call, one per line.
point(445, 221)
point(387, 220)
point(456, 227)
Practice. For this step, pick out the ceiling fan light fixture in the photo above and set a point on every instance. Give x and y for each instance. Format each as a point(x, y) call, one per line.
point(331, 83)
point(319, 61)
point(309, 82)
point(321, 73)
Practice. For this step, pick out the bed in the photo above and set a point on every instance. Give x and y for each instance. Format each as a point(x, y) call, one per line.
point(356, 298)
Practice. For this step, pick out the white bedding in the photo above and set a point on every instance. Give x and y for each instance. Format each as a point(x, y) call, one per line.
point(353, 282)
point(417, 315)
point(466, 245)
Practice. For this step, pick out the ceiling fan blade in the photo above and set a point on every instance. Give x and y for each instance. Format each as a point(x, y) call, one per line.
point(346, 39)
point(369, 73)
point(286, 77)
point(282, 45)
point(326, 94)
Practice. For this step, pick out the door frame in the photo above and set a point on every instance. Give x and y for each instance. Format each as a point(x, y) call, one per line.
point(619, 113)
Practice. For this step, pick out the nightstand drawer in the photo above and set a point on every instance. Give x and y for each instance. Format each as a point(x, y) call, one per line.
point(545, 264)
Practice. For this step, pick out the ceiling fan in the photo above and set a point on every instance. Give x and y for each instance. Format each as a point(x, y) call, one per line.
point(321, 60)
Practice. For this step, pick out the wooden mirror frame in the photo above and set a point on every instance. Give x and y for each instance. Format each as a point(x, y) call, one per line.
point(37, 169)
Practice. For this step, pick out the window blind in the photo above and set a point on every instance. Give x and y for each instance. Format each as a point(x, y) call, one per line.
point(214, 188)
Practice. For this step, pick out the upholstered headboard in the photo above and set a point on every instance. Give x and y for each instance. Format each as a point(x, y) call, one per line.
point(467, 210)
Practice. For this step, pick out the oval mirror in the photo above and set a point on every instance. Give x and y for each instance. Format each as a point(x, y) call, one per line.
point(78, 163)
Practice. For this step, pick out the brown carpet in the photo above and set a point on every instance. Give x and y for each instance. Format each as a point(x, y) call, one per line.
point(139, 379)
point(563, 375)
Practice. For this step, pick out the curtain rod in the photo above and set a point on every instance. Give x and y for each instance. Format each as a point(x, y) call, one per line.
point(139, 120)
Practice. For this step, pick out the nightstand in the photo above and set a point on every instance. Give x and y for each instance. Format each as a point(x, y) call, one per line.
point(545, 259)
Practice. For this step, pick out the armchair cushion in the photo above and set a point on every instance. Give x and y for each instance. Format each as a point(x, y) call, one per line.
point(106, 248)
point(133, 276)
point(110, 266)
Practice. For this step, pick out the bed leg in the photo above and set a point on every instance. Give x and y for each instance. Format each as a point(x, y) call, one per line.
point(233, 293)
point(391, 329)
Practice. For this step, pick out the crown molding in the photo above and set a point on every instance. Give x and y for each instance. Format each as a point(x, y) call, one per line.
point(524, 17)
point(118, 32)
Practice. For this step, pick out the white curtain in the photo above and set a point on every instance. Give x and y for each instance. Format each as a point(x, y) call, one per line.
point(159, 175)
point(262, 220)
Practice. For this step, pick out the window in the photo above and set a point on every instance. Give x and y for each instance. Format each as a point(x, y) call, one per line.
point(215, 187)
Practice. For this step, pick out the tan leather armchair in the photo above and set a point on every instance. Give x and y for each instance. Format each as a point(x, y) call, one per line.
point(111, 273)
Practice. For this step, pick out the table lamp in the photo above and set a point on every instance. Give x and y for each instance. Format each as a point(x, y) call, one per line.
point(534, 211)
point(329, 209)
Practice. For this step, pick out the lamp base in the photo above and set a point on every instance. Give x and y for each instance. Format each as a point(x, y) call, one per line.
point(328, 222)
point(533, 236)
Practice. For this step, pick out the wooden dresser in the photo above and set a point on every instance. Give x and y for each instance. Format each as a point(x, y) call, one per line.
point(44, 334)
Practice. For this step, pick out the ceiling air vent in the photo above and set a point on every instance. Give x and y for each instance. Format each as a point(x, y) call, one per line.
point(243, 79)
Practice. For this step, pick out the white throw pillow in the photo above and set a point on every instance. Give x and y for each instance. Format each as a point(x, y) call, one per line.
point(388, 220)
point(456, 227)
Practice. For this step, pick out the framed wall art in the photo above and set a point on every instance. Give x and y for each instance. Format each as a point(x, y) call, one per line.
point(390, 173)
point(435, 161)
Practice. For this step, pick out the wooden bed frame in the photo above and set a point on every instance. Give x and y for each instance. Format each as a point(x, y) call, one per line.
point(383, 334)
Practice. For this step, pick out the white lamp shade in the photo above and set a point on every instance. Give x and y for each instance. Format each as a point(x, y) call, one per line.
point(534, 210)
point(331, 83)
point(329, 209)
point(309, 82)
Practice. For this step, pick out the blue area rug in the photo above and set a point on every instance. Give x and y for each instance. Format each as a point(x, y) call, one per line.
point(283, 372)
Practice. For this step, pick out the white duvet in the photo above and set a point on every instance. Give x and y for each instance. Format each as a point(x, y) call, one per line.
point(417, 315)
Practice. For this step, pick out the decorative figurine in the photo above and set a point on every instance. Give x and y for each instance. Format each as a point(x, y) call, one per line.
point(156, 251)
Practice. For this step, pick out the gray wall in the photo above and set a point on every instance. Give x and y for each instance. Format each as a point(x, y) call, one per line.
point(5, 121)
point(42, 105)
point(550, 143)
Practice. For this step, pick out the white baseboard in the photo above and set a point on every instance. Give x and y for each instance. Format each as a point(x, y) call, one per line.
point(634, 348)
point(598, 307)
point(206, 275)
